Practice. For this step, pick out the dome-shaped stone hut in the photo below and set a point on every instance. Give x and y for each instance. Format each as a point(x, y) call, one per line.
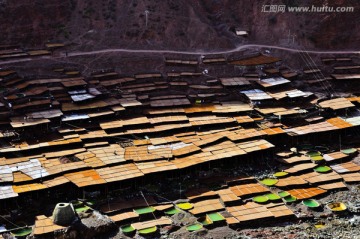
point(64, 214)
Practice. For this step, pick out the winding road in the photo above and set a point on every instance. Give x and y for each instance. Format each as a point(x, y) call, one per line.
point(199, 52)
point(192, 52)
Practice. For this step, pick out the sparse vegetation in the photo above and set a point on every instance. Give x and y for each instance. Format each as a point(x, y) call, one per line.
point(109, 10)
point(72, 4)
point(174, 5)
point(79, 17)
point(312, 39)
point(62, 30)
point(272, 19)
point(87, 12)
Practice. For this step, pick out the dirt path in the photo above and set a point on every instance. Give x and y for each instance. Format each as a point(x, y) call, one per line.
point(193, 52)
point(199, 52)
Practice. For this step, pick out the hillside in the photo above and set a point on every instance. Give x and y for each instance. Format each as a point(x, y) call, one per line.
point(173, 24)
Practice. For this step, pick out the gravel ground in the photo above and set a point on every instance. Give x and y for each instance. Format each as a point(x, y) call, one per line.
point(335, 228)
point(344, 226)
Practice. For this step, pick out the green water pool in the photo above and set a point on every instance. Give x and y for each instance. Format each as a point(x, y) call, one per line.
point(144, 210)
point(21, 232)
point(260, 199)
point(127, 229)
point(317, 158)
point(172, 211)
point(90, 202)
point(194, 227)
point(349, 151)
point(77, 204)
point(280, 174)
point(206, 222)
point(215, 217)
point(82, 209)
point(184, 206)
point(148, 230)
point(283, 194)
point(269, 181)
point(290, 198)
point(322, 149)
point(313, 153)
point(272, 196)
point(311, 203)
point(322, 169)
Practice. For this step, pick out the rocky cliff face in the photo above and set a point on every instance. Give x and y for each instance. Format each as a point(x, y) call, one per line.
point(90, 225)
point(174, 24)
